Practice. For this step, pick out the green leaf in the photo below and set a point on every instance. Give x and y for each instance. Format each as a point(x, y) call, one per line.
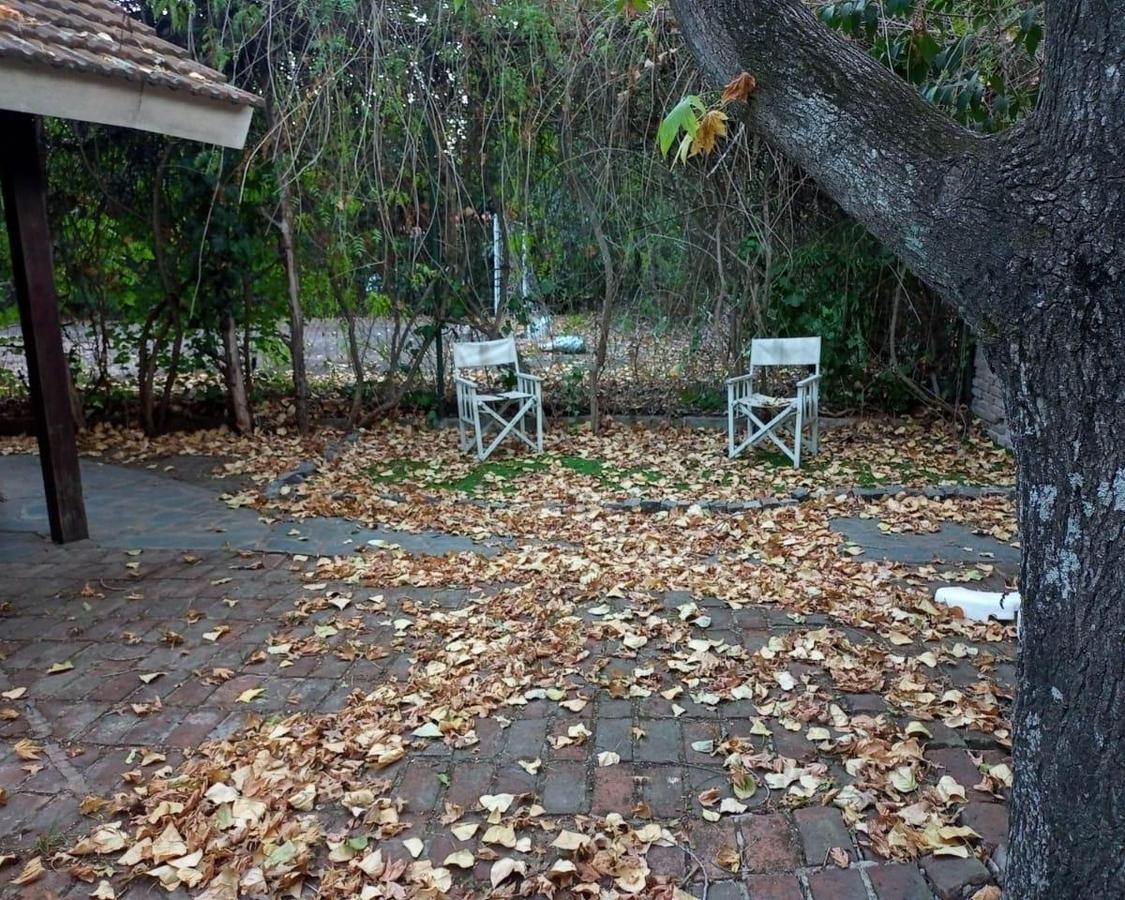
point(683, 117)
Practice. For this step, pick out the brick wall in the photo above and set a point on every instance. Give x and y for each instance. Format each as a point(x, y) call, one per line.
point(988, 403)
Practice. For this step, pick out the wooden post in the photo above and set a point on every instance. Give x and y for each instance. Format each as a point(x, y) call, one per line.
point(25, 208)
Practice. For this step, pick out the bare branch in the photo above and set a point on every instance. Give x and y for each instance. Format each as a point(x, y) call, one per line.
point(874, 145)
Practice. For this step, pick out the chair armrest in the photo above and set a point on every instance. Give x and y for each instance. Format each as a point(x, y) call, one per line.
point(464, 383)
point(537, 378)
point(805, 382)
point(738, 378)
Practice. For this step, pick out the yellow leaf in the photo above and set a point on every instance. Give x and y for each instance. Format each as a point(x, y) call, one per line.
point(248, 695)
point(27, 749)
point(712, 126)
point(33, 871)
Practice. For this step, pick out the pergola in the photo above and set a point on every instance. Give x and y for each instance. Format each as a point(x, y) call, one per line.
point(85, 60)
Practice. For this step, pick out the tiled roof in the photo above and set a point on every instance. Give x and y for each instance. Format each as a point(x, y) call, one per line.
point(97, 37)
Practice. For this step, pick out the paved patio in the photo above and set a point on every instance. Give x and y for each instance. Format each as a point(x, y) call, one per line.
point(83, 628)
point(133, 508)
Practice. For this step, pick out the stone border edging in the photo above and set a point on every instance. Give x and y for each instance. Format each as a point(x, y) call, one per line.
point(802, 494)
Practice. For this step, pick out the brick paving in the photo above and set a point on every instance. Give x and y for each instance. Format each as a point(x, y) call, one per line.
point(80, 625)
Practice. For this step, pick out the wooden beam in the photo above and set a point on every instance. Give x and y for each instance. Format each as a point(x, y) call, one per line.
point(25, 208)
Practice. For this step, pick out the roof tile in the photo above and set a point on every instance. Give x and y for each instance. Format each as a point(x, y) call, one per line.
point(97, 37)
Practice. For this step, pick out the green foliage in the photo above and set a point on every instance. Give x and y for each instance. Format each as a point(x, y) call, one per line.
point(829, 287)
point(976, 59)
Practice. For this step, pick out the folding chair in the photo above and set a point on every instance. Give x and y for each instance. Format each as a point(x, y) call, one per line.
point(793, 414)
point(504, 410)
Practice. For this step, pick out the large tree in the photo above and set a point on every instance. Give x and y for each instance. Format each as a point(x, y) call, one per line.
point(1024, 232)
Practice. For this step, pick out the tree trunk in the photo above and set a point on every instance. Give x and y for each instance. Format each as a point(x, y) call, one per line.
point(354, 356)
point(248, 335)
point(232, 374)
point(296, 316)
point(284, 225)
point(1025, 233)
point(173, 369)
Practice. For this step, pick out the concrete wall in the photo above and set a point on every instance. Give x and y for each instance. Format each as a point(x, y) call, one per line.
point(988, 402)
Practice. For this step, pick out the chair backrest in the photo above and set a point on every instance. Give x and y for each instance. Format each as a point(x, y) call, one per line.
point(785, 352)
point(485, 354)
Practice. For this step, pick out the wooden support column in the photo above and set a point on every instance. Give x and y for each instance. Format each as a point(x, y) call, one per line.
point(25, 208)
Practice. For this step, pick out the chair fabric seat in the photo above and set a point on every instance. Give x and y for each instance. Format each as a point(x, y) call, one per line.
point(504, 395)
point(766, 400)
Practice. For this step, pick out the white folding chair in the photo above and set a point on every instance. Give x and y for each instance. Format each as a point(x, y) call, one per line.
point(503, 410)
point(793, 414)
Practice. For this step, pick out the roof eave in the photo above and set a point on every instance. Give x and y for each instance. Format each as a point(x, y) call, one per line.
point(66, 94)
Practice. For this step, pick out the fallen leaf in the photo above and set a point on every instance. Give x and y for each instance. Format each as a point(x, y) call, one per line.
point(462, 859)
point(739, 88)
point(31, 872)
point(503, 869)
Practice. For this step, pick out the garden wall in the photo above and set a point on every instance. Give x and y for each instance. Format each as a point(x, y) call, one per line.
point(988, 401)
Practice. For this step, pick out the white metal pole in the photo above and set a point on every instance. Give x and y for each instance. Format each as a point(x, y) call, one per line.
point(525, 282)
point(497, 260)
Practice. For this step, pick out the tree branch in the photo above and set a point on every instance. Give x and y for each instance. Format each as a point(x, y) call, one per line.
point(894, 162)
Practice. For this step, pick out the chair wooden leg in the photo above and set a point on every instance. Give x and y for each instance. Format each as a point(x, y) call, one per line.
point(814, 442)
point(539, 424)
point(730, 422)
point(797, 432)
point(476, 427)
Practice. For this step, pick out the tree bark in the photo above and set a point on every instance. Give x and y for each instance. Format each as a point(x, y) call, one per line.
point(1064, 377)
point(1025, 234)
point(232, 374)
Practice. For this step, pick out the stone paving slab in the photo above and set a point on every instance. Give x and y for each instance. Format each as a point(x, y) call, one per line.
point(134, 508)
point(114, 616)
point(953, 543)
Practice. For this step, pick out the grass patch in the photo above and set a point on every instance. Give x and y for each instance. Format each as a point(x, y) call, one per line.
point(396, 471)
point(609, 475)
point(775, 459)
point(491, 472)
point(594, 468)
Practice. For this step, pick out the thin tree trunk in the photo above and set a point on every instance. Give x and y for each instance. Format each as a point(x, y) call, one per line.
point(609, 268)
point(296, 316)
point(247, 335)
point(232, 373)
point(354, 356)
point(173, 369)
point(284, 224)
